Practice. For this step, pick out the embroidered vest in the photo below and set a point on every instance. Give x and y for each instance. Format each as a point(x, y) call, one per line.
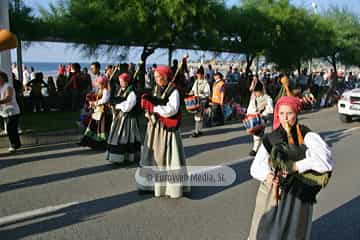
point(291, 184)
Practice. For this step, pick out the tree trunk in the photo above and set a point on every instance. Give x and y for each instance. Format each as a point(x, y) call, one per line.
point(249, 61)
point(147, 51)
point(170, 56)
point(299, 72)
point(333, 85)
point(245, 83)
point(19, 61)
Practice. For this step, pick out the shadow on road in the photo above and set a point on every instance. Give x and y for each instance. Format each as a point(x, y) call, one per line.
point(196, 149)
point(332, 137)
point(216, 131)
point(341, 223)
point(35, 181)
point(242, 170)
point(72, 215)
point(18, 159)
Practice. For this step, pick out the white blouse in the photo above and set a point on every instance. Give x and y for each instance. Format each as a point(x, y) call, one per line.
point(172, 106)
point(128, 104)
point(11, 108)
point(105, 97)
point(318, 157)
point(269, 109)
point(201, 88)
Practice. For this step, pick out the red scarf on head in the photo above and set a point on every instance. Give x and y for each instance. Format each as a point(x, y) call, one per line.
point(164, 71)
point(292, 102)
point(125, 77)
point(102, 80)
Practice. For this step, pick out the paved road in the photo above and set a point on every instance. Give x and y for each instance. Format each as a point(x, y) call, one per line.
point(67, 192)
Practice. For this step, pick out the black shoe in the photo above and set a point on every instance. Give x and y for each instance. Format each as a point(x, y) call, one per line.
point(200, 133)
point(252, 153)
point(195, 135)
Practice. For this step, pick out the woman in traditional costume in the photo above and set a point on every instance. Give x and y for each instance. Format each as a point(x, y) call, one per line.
point(292, 160)
point(200, 89)
point(124, 142)
point(97, 131)
point(163, 149)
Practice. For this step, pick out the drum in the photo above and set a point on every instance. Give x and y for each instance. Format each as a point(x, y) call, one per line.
point(254, 124)
point(192, 103)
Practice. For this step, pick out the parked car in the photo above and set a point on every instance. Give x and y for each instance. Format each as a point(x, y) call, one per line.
point(349, 105)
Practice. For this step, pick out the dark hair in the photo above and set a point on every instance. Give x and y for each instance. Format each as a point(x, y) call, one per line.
point(200, 70)
point(219, 74)
point(96, 64)
point(4, 76)
point(259, 87)
point(76, 67)
point(39, 75)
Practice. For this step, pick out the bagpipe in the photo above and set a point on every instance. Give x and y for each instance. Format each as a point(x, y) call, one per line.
point(305, 99)
point(282, 159)
point(86, 113)
point(172, 122)
point(90, 97)
point(114, 100)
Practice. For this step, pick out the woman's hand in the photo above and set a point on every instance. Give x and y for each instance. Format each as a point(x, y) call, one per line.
point(92, 104)
point(270, 178)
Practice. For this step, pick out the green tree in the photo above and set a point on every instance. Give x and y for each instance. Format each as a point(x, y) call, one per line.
point(246, 30)
point(150, 24)
point(344, 42)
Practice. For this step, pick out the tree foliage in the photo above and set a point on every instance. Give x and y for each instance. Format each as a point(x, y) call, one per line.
point(285, 34)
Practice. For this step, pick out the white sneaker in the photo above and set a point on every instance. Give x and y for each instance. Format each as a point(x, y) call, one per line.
point(3, 133)
point(11, 150)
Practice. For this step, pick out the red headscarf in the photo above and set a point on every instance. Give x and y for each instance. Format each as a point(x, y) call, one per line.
point(102, 80)
point(62, 71)
point(292, 102)
point(164, 71)
point(125, 77)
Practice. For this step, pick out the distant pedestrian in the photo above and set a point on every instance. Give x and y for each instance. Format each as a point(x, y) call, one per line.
point(10, 111)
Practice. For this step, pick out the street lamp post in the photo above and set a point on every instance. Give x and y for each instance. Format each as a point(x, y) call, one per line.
point(5, 58)
point(314, 8)
point(19, 49)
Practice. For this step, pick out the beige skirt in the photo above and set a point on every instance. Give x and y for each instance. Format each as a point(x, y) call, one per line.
point(290, 219)
point(164, 150)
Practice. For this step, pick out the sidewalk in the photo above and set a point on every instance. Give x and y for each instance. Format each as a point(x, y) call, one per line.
point(74, 135)
point(52, 137)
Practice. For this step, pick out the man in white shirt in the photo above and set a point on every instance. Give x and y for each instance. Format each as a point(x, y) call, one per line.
point(26, 80)
point(95, 70)
point(15, 70)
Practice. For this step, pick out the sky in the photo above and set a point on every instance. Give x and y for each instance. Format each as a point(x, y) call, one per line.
point(61, 52)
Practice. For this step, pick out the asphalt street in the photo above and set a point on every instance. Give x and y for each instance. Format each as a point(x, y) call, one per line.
point(67, 192)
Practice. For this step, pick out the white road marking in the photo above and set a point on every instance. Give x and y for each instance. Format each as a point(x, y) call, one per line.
point(330, 136)
point(33, 213)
